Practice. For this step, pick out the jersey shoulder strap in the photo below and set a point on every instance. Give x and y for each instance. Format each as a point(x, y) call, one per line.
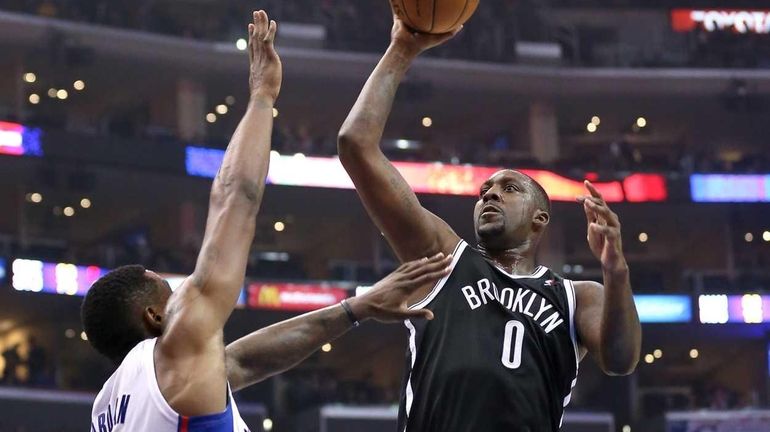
point(461, 247)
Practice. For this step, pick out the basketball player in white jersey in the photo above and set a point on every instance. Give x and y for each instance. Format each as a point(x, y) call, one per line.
point(174, 372)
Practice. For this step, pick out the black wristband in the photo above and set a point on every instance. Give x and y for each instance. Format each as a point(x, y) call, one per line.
point(350, 313)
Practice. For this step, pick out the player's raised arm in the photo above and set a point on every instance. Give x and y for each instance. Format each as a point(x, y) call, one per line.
point(411, 230)
point(606, 318)
point(198, 310)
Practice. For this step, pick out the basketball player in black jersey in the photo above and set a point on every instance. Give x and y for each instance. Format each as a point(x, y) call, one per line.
point(502, 351)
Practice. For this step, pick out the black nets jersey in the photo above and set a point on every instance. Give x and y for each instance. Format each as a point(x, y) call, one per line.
point(500, 355)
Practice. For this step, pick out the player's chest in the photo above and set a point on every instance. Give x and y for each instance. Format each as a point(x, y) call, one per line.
point(488, 298)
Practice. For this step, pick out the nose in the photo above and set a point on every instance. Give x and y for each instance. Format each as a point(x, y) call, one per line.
point(491, 194)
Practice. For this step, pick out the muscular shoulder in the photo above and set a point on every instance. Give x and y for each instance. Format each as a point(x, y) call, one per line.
point(589, 296)
point(588, 293)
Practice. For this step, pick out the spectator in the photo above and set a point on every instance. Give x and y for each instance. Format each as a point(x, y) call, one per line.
point(37, 364)
point(12, 361)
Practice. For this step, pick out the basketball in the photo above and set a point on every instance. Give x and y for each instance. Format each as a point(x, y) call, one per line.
point(434, 16)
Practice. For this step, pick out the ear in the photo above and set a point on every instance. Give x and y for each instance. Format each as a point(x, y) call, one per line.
point(540, 220)
point(153, 320)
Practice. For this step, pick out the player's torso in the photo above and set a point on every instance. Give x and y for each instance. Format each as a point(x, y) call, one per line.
point(131, 401)
point(500, 354)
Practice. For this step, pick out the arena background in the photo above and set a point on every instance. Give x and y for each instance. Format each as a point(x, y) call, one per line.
point(114, 116)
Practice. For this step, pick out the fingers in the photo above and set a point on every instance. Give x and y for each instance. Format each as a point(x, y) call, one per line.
point(607, 231)
point(594, 193)
point(427, 278)
point(603, 212)
point(590, 214)
point(271, 31)
point(451, 34)
point(260, 28)
point(414, 314)
point(435, 264)
point(262, 25)
point(596, 208)
point(418, 313)
point(441, 38)
point(410, 266)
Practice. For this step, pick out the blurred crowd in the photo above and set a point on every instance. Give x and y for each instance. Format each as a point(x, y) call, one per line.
point(726, 49)
point(349, 24)
point(311, 388)
point(615, 156)
point(135, 247)
point(364, 26)
point(30, 368)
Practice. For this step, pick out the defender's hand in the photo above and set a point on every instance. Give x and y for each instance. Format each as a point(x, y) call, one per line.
point(414, 42)
point(265, 72)
point(603, 231)
point(387, 300)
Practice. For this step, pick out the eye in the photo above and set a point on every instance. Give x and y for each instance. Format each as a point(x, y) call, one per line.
point(482, 192)
point(511, 188)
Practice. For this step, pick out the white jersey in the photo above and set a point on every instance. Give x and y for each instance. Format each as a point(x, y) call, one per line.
point(131, 401)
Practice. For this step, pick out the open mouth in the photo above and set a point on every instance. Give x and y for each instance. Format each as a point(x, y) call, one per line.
point(489, 210)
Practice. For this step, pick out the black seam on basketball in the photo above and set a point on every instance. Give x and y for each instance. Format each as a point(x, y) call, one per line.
point(406, 13)
point(433, 18)
point(461, 14)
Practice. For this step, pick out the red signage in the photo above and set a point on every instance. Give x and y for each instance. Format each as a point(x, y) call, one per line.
point(292, 297)
point(435, 178)
point(711, 20)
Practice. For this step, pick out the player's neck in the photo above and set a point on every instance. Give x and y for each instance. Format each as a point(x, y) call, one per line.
point(516, 261)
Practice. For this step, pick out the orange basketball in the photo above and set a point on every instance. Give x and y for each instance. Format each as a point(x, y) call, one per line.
point(434, 16)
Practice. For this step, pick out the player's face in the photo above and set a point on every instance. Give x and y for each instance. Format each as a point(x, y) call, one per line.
point(503, 214)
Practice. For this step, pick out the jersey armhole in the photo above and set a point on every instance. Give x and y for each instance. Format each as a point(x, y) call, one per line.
point(459, 249)
point(148, 359)
point(202, 422)
point(569, 290)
